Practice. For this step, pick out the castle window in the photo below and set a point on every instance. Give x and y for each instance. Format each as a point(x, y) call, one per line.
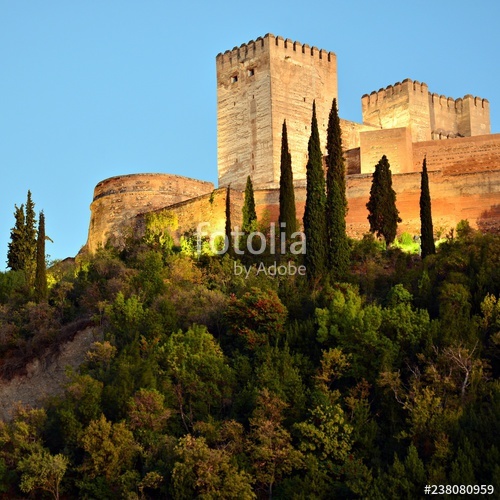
point(251, 72)
point(234, 78)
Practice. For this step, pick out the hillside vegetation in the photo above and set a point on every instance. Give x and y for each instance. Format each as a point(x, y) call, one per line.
point(219, 385)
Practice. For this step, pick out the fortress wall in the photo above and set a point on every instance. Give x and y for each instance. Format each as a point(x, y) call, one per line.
point(244, 127)
point(118, 199)
point(351, 133)
point(352, 159)
point(209, 208)
point(461, 155)
point(473, 196)
point(299, 75)
point(394, 143)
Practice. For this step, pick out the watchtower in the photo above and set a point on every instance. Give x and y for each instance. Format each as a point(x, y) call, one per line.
point(260, 84)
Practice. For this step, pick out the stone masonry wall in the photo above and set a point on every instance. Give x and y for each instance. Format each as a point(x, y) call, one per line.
point(207, 211)
point(410, 104)
point(470, 195)
point(118, 199)
point(395, 143)
point(461, 155)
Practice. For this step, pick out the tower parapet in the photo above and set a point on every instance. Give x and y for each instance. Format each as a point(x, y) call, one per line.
point(429, 115)
point(254, 47)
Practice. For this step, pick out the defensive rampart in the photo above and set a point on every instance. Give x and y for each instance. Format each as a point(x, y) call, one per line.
point(207, 211)
point(469, 195)
point(118, 200)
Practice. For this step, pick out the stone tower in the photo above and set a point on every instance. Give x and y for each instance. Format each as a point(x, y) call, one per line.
point(260, 84)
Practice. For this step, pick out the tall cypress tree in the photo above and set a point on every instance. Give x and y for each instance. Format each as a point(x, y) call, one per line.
point(228, 221)
point(288, 214)
point(336, 200)
point(314, 212)
point(30, 240)
point(41, 291)
point(21, 254)
point(15, 254)
point(249, 213)
point(426, 229)
point(383, 214)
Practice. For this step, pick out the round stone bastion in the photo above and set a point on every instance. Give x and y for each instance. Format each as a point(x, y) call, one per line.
point(118, 200)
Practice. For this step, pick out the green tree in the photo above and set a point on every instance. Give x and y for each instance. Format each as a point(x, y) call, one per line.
point(198, 372)
point(383, 214)
point(23, 245)
point(110, 450)
point(249, 213)
point(15, 254)
point(159, 226)
point(258, 317)
point(403, 479)
point(204, 472)
point(228, 228)
point(41, 271)
point(426, 229)
point(325, 441)
point(42, 471)
point(288, 214)
point(272, 453)
point(31, 237)
point(336, 201)
point(314, 212)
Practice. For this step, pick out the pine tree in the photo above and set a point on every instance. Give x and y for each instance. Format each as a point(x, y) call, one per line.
point(314, 212)
point(383, 214)
point(15, 254)
point(336, 200)
point(21, 255)
point(288, 214)
point(249, 213)
point(426, 229)
point(41, 271)
point(228, 221)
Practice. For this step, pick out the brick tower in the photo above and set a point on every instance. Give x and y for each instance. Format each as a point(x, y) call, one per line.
point(260, 84)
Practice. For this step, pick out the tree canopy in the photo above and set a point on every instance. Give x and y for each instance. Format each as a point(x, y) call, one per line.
point(336, 200)
point(383, 215)
point(315, 258)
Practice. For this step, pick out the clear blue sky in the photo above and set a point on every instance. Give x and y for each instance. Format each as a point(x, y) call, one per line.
point(90, 89)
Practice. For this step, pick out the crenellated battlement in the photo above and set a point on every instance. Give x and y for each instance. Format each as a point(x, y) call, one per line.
point(410, 104)
point(255, 48)
point(409, 85)
point(458, 104)
point(250, 49)
point(406, 86)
